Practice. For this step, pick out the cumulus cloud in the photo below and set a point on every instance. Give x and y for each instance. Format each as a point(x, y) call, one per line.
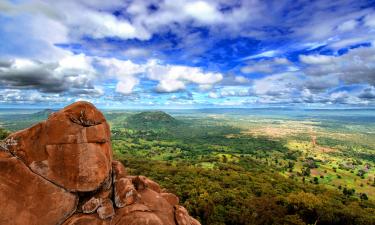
point(230, 91)
point(126, 85)
point(30, 96)
point(367, 93)
point(175, 77)
point(170, 86)
point(347, 25)
point(316, 59)
point(170, 78)
point(267, 65)
point(283, 84)
point(125, 71)
point(321, 84)
point(355, 67)
point(72, 73)
point(370, 20)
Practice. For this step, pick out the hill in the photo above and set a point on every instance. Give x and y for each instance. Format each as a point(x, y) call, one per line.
point(43, 114)
point(151, 120)
point(14, 121)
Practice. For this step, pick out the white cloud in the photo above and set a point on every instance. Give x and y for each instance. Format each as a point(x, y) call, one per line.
point(349, 41)
point(367, 93)
point(203, 12)
point(126, 85)
point(267, 54)
point(120, 68)
point(76, 62)
point(267, 65)
point(316, 59)
point(170, 86)
point(171, 78)
point(370, 20)
point(101, 24)
point(174, 77)
point(347, 25)
point(213, 95)
point(125, 71)
point(25, 21)
point(283, 84)
point(73, 73)
point(355, 67)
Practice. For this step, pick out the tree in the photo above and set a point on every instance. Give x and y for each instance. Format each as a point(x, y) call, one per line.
point(348, 192)
point(363, 196)
point(306, 171)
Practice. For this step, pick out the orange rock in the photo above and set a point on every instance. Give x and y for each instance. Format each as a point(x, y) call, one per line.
point(71, 151)
point(86, 219)
point(136, 214)
point(158, 205)
point(138, 218)
point(91, 205)
point(171, 198)
point(118, 170)
point(183, 218)
point(142, 182)
point(58, 147)
point(124, 192)
point(106, 209)
point(27, 198)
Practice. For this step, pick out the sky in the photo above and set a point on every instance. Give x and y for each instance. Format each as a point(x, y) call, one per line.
point(187, 53)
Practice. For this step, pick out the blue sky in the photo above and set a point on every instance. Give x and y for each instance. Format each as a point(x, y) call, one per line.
point(187, 54)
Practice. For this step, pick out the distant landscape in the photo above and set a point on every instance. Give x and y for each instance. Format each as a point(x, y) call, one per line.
point(248, 166)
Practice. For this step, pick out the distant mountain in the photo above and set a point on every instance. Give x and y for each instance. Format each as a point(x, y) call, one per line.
point(44, 113)
point(15, 121)
point(150, 120)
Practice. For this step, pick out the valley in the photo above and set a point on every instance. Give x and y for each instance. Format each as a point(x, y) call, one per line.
point(250, 168)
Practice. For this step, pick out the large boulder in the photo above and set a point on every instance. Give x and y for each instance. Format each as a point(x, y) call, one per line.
point(27, 198)
point(86, 219)
point(61, 171)
point(71, 148)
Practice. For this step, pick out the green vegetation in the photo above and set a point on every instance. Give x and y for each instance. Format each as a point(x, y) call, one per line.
point(150, 120)
point(3, 133)
point(227, 172)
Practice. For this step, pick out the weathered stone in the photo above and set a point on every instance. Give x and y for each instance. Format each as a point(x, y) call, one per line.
point(138, 218)
point(118, 170)
point(58, 148)
point(136, 214)
point(142, 182)
point(71, 151)
point(124, 192)
point(91, 205)
point(171, 198)
point(183, 218)
point(27, 198)
point(106, 209)
point(86, 219)
point(158, 205)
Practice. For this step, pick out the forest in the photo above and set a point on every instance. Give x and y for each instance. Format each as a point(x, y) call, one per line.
point(224, 175)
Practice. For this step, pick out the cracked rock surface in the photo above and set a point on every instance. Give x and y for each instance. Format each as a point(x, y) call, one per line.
point(60, 171)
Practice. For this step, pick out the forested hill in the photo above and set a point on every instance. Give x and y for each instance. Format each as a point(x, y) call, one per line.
point(150, 120)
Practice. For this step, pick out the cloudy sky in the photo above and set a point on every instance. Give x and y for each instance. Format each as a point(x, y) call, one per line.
point(187, 53)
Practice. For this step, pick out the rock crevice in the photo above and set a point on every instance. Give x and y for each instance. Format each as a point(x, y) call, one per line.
point(61, 171)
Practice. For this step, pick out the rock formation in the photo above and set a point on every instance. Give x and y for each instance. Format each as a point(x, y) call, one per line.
point(60, 171)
